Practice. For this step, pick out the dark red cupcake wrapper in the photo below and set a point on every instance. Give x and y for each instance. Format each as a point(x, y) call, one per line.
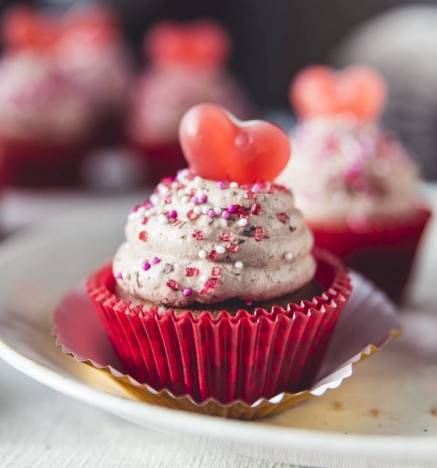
point(246, 356)
point(383, 252)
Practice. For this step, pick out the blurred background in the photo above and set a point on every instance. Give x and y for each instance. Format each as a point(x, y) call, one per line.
point(91, 93)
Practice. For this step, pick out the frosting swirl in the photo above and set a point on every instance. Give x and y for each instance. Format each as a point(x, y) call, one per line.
point(203, 241)
point(344, 169)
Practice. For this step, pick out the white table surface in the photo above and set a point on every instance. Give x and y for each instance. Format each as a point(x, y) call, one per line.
point(40, 428)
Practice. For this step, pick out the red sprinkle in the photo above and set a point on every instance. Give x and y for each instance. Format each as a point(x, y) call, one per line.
point(191, 271)
point(172, 284)
point(211, 283)
point(259, 233)
point(232, 247)
point(143, 236)
point(216, 271)
point(256, 208)
point(198, 235)
point(213, 255)
point(145, 219)
point(283, 217)
point(225, 236)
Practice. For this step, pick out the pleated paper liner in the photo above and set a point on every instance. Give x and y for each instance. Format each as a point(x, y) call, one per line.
point(367, 323)
point(383, 252)
point(243, 356)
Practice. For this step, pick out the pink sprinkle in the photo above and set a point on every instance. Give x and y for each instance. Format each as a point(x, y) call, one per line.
point(146, 266)
point(191, 215)
point(156, 260)
point(225, 236)
point(187, 292)
point(233, 208)
point(172, 284)
point(256, 188)
point(119, 275)
point(213, 255)
point(212, 213)
point(191, 271)
point(172, 214)
point(226, 214)
point(221, 185)
point(195, 200)
point(202, 197)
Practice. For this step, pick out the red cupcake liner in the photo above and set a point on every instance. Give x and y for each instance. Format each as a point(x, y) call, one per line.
point(35, 164)
point(382, 252)
point(159, 160)
point(227, 357)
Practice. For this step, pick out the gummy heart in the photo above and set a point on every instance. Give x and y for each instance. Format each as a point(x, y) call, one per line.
point(218, 146)
point(321, 91)
point(201, 43)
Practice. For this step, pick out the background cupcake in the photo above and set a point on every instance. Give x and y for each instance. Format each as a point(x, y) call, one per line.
point(218, 265)
point(355, 182)
point(187, 67)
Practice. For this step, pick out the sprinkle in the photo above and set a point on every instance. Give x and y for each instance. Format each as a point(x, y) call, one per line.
point(233, 209)
point(162, 219)
point(143, 236)
point(187, 292)
point(242, 222)
point(239, 265)
point(191, 271)
point(212, 255)
point(205, 209)
point(256, 188)
point(202, 254)
point(119, 275)
point(145, 220)
point(195, 200)
point(256, 208)
point(218, 211)
point(259, 233)
point(172, 214)
point(156, 260)
point(154, 199)
point(163, 189)
point(225, 236)
point(172, 284)
point(216, 271)
point(220, 249)
point(198, 180)
point(288, 256)
point(167, 200)
point(146, 266)
point(212, 213)
point(185, 199)
point(202, 197)
point(198, 235)
point(221, 185)
point(226, 214)
point(233, 185)
point(210, 283)
point(192, 215)
point(197, 210)
point(283, 217)
point(174, 185)
point(232, 247)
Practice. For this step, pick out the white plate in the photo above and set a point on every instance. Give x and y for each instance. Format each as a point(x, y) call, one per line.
point(386, 412)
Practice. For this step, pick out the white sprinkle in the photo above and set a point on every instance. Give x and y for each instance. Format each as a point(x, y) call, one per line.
point(220, 249)
point(239, 265)
point(185, 199)
point(162, 219)
point(242, 222)
point(218, 210)
point(197, 210)
point(163, 188)
point(202, 254)
point(149, 212)
point(154, 198)
point(233, 185)
point(288, 256)
point(198, 180)
point(205, 209)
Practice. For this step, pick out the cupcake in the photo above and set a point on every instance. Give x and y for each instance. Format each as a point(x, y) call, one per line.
point(355, 183)
point(187, 67)
point(62, 78)
point(216, 291)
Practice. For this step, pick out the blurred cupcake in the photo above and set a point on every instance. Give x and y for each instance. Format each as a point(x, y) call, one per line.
point(58, 85)
point(355, 183)
point(187, 67)
point(216, 292)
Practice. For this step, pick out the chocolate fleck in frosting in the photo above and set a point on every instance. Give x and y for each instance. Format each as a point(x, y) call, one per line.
point(202, 241)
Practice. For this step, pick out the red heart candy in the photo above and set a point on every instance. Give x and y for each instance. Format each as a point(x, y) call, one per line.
point(321, 91)
point(218, 146)
point(199, 43)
